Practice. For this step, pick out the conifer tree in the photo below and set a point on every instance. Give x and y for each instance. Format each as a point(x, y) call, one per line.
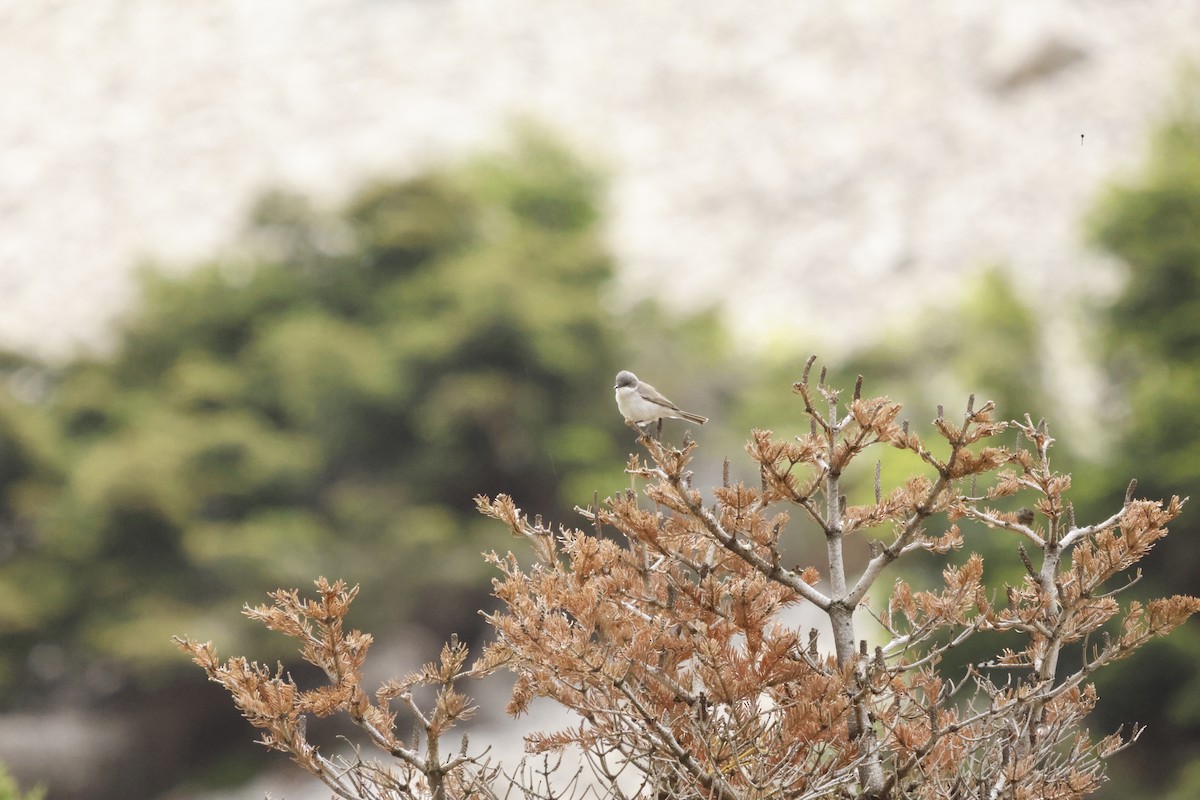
point(662, 626)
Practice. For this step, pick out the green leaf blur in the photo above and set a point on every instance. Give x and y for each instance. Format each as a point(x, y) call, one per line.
point(325, 400)
point(1151, 222)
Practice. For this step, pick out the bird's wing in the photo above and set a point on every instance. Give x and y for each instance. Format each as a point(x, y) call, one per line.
point(648, 392)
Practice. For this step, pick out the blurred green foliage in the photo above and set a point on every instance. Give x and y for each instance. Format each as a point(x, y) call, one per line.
point(326, 400)
point(987, 342)
point(1151, 223)
point(10, 791)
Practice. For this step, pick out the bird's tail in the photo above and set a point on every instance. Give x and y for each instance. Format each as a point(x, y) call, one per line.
point(696, 418)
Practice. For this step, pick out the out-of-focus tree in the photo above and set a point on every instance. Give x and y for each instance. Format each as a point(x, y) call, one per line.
point(1151, 223)
point(10, 791)
point(331, 396)
point(988, 341)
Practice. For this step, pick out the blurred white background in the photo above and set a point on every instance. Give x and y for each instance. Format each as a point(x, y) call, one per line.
point(810, 149)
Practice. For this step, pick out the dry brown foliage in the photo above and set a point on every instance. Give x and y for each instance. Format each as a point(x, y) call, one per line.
point(662, 629)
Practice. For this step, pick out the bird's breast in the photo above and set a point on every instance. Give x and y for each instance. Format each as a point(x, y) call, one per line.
point(634, 407)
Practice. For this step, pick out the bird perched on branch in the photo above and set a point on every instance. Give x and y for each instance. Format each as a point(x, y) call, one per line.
point(639, 402)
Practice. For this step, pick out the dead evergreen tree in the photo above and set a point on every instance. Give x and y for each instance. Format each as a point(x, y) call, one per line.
point(661, 627)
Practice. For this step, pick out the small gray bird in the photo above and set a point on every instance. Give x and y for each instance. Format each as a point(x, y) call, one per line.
point(639, 402)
